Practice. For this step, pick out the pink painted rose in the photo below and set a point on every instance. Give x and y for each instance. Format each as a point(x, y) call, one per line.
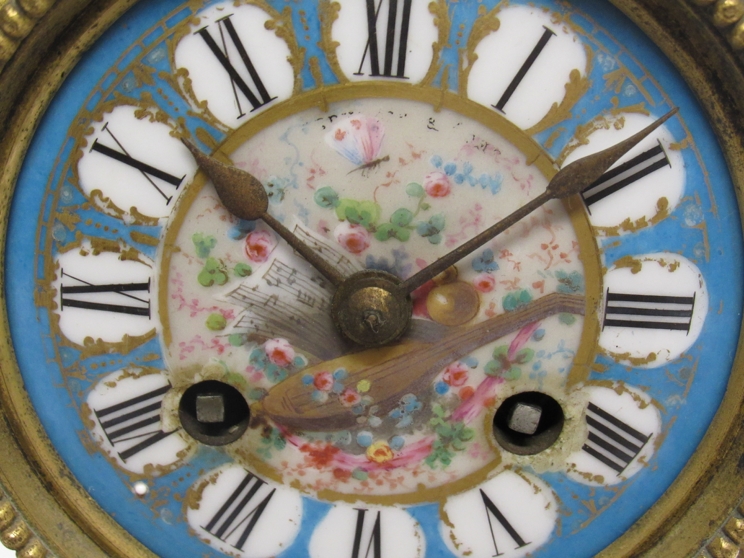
point(456, 374)
point(437, 184)
point(323, 381)
point(259, 245)
point(279, 351)
point(354, 238)
point(484, 282)
point(350, 397)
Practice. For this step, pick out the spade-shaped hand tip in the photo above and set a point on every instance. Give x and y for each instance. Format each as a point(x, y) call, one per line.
point(240, 192)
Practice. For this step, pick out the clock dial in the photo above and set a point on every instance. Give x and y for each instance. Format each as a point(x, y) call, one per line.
point(188, 363)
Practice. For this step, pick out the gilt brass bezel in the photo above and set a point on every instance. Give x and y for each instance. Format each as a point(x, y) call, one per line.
point(41, 40)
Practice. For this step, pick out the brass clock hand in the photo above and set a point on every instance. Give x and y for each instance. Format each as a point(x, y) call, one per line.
point(570, 180)
point(397, 370)
point(244, 196)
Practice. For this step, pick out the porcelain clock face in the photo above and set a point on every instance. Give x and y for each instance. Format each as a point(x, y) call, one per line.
point(187, 361)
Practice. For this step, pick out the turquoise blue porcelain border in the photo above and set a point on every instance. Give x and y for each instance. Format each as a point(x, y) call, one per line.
point(166, 534)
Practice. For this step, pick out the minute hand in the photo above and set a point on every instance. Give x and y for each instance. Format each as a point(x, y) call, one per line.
point(571, 179)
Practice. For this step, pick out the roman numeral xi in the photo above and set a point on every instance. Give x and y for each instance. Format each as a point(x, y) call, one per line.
point(257, 96)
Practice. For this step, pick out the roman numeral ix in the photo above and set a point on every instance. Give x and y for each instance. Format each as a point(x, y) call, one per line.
point(626, 174)
point(133, 419)
point(396, 40)
point(258, 98)
point(233, 515)
point(67, 292)
point(492, 510)
point(610, 440)
point(649, 311)
point(148, 171)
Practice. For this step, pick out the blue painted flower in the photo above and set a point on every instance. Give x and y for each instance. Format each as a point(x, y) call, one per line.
point(407, 406)
point(441, 388)
point(484, 263)
point(241, 229)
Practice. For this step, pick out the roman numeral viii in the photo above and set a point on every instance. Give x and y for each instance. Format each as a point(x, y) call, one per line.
point(137, 418)
point(649, 311)
point(610, 440)
point(258, 98)
point(626, 174)
point(492, 510)
point(71, 297)
point(234, 521)
point(396, 39)
point(539, 47)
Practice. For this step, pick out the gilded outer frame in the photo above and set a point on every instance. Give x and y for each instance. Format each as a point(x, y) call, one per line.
point(44, 511)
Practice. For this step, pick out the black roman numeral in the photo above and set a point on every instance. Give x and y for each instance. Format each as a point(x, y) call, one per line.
point(148, 171)
point(618, 178)
point(123, 289)
point(134, 419)
point(261, 96)
point(546, 36)
point(396, 40)
point(649, 311)
point(232, 515)
point(610, 440)
point(375, 539)
point(491, 509)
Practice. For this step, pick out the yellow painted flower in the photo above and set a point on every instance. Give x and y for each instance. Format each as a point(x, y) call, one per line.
point(379, 452)
point(363, 386)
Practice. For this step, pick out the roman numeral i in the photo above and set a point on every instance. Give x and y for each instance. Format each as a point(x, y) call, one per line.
point(528, 63)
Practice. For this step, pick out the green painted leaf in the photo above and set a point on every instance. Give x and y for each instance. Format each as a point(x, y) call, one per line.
point(203, 244)
point(415, 189)
point(242, 270)
point(524, 356)
point(566, 318)
point(216, 322)
point(437, 221)
point(371, 208)
point(326, 197)
point(384, 232)
point(401, 233)
point(343, 205)
point(402, 217)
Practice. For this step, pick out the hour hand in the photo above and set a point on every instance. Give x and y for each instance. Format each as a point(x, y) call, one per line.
point(244, 196)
